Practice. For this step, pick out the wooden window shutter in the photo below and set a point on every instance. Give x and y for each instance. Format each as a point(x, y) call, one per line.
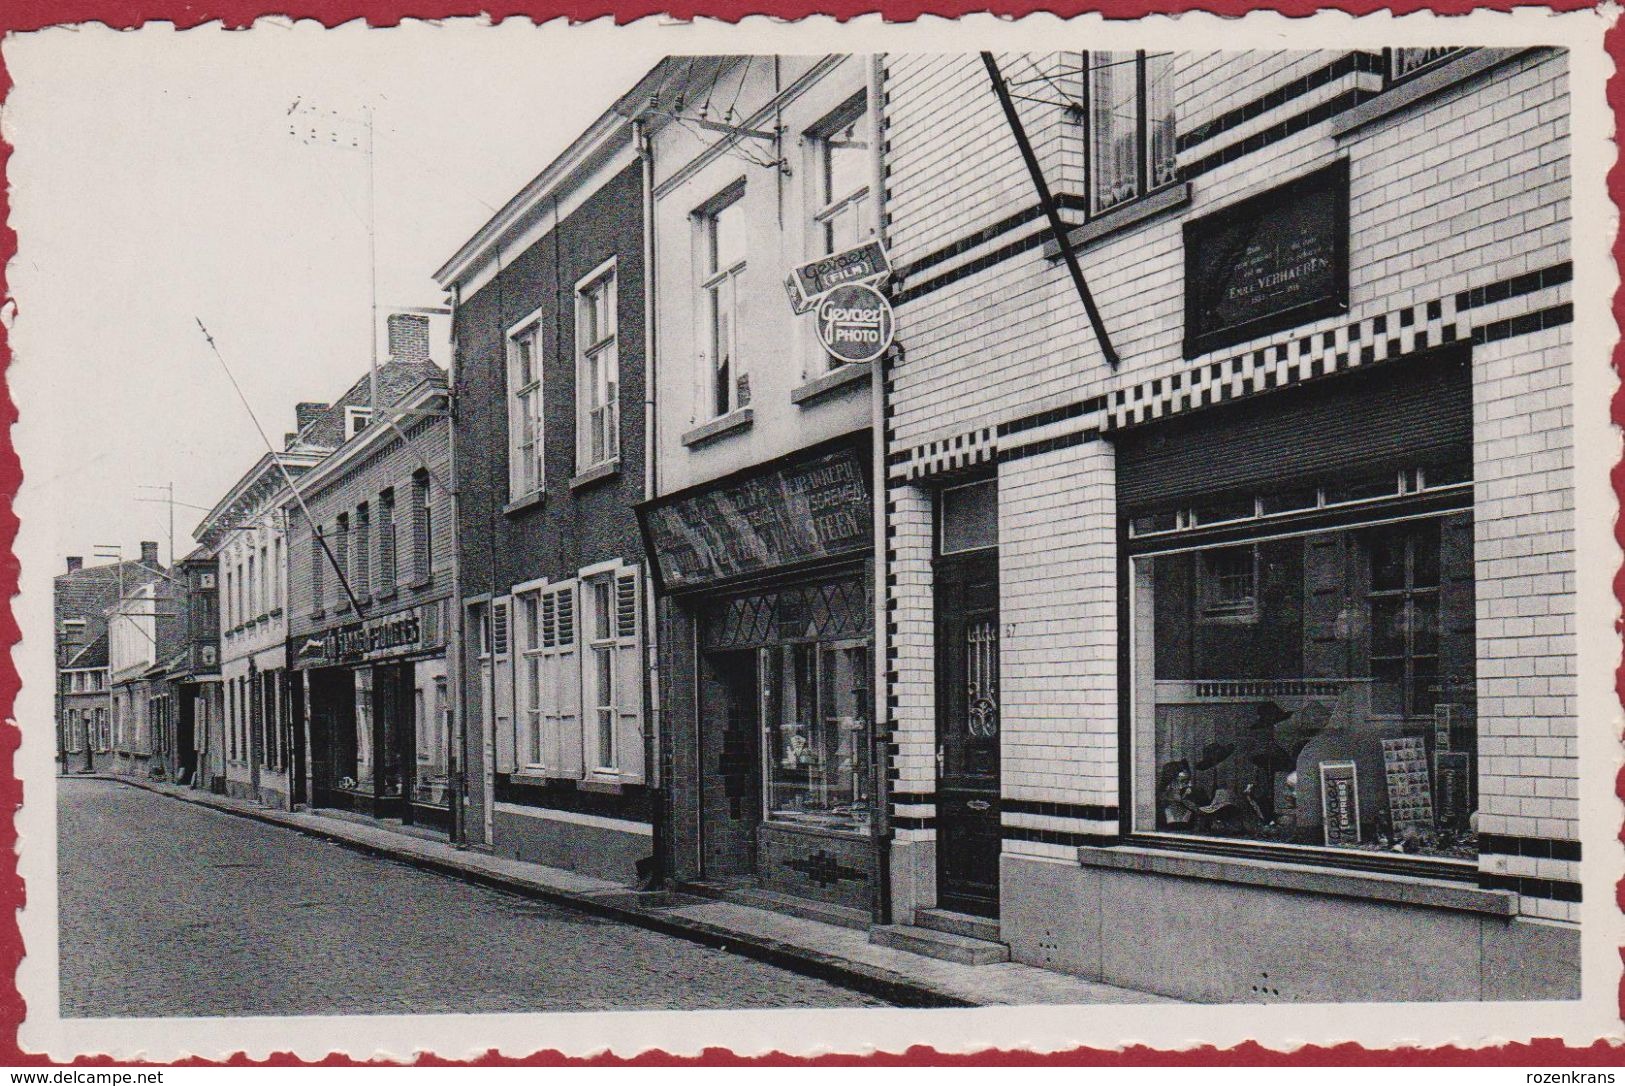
point(629, 664)
point(561, 685)
point(502, 682)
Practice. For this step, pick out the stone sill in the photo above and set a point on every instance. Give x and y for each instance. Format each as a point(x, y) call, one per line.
point(1122, 218)
point(1411, 91)
point(1275, 875)
point(844, 376)
point(736, 421)
point(596, 473)
point(521, 504)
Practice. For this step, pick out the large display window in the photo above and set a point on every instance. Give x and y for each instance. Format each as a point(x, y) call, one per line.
point(1308, 687)
point(816, 732)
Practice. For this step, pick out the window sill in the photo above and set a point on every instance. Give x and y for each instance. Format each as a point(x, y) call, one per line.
point(422, 583)
point(318, 613)
point(733, 422)
point(606, 786)
point(1123, 217)
point(842, 377)
point(385, 594)
point(1276, 875)
point(1411, 91)
point(519, 505)
point(596, 474)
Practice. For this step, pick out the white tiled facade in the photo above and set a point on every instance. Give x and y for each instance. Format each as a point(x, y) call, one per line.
point(1458, 230)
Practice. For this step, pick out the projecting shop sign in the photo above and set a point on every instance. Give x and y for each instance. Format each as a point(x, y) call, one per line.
point(818, 508)
point(855, 323)
point(812, 280)
point(1272, 262)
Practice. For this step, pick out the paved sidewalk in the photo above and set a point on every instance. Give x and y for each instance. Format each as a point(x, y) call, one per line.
point(830, 952)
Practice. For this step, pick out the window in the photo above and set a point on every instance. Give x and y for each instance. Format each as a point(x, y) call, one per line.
point(387, 573)
point(279, 581)
point(816, 721)
point(361, 554)
point(601, 671)
point(356, 420)
point(318, 571)
point(529, 744)
point(1338, 713)
point(525, 450)
point(723, 266)
point(341, 556)
point(422, 530)
point(265, 581)
point(844, 212)
point(1131, 127)
point(598, 425)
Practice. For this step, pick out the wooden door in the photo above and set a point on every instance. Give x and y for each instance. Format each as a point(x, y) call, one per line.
point(967, 635)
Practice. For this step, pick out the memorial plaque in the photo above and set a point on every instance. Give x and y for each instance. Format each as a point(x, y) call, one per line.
point(818, 508)
point(1271, 262)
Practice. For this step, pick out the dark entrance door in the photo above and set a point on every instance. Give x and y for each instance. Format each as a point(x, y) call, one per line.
point(967, 633)
point(731, 785)
point(394, 739)
point(295, 718)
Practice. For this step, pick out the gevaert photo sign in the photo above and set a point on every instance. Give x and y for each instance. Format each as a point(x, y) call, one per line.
point(855, 323)
point(810, 281)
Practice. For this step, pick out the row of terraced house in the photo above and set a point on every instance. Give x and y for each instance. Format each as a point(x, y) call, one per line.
point(1190, 580)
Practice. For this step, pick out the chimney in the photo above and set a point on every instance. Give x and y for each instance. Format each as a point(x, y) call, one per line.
point(75, 563)
point(306, 413)
point(408, 337)
point(149, 553)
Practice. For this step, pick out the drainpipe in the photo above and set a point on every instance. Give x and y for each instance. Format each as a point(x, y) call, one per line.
point(653, 770)
point(877, 400)
point(457, 737)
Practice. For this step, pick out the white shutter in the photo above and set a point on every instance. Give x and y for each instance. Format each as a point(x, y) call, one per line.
point(561, 684)
point(629, 663)
point(502, 681)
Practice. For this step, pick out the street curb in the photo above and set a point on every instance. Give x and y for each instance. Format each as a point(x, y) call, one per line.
point(870, 980)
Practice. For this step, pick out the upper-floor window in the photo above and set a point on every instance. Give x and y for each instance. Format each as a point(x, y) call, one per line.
point(386, 540)
point(356, 420)
point(422, 529)
point(318, 571)
point(525, 474)
point(598, 423)
point(341, 555)
point(722, 241)
point(253, 591)
point(361, 570)
point(1131, 126)
point(843, 214)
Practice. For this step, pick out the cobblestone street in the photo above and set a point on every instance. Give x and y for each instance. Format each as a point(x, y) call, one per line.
point(168, 909)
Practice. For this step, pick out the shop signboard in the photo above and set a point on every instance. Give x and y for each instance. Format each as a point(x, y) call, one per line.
point(1268, 263)
point(389, 635)
point(813, 509)
point(1340, 802)
point(812, 280)
point(1410, 793)
point(855, 323)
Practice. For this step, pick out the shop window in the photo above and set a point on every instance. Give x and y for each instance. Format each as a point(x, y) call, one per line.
point(968, 518)
point(1312, 689)
point(598, 424)
point(1131, 127)
point(430, 781)
point(722, 263)
point(525, 462)
point(816, 734)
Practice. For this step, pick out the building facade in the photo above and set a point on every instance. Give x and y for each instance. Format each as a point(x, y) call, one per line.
point(550, 433)
point(761, 527)
point(1266, 630)
point(196, 693)
point(370, 572)
point(83, 702)
point(81, 599)
point(143, 633)
point(245, 537)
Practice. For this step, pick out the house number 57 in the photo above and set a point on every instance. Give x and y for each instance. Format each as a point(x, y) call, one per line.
point(1009, 629)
